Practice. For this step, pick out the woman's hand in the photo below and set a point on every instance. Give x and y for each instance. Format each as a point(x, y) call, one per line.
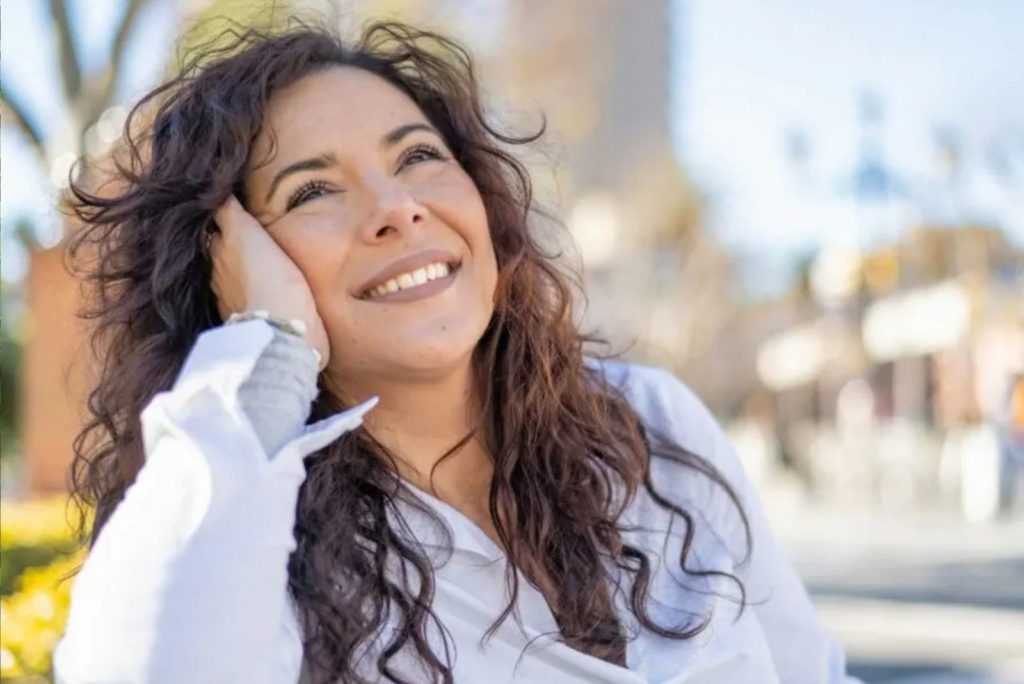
point(251, 272)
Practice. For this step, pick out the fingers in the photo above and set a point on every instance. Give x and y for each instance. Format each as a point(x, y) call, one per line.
point(229, 214)
point(228, 217)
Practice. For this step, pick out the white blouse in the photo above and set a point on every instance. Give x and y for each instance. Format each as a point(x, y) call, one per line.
point(187, 582)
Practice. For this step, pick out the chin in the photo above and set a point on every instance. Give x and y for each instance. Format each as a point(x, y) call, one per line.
point(432, 350)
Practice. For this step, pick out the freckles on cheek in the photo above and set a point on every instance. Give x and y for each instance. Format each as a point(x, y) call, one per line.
point(453, 184)
point(314, 241)
point(313, 222)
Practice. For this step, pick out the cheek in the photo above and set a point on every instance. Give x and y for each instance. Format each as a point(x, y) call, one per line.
point(454, 196)
point(469, 207)
point(478, 231)
point(450, 187)
point(313, 237)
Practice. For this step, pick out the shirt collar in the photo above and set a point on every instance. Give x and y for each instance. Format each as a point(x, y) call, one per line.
point(448, 533)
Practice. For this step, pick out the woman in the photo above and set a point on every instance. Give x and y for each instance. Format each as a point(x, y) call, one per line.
point(475, 499)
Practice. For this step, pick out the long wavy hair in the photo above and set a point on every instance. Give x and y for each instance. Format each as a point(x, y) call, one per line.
point(569, 452)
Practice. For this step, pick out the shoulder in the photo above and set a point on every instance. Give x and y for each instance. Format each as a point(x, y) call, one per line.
point(664, 403)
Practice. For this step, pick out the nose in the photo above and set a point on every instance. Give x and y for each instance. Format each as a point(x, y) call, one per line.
point(394, 209)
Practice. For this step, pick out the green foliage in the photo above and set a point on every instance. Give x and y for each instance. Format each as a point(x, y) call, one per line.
point(10, 375)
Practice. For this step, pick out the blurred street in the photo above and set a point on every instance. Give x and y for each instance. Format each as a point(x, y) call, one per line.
point(914, 597)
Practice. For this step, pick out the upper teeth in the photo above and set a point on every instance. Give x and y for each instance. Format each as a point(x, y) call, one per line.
point(412, 279)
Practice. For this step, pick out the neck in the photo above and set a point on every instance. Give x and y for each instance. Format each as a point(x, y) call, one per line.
point(419, 420)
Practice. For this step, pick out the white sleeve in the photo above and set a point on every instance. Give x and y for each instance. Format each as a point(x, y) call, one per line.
point(803, 651)
point(187, 582)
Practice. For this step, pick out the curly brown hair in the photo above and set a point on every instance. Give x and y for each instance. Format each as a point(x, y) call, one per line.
point(569, 452)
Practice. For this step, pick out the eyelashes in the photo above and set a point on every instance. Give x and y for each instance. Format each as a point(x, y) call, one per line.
point(304, 193)
point(316, 188)
point(423, 148)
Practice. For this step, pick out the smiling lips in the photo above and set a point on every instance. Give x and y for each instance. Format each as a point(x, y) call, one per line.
point(406, 281)
point(414, 277)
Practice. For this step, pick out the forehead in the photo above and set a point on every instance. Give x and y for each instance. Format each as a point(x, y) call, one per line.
point(338, 103)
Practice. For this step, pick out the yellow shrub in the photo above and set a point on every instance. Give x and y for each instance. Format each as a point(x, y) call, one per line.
point(32, 616)
point(35, 522)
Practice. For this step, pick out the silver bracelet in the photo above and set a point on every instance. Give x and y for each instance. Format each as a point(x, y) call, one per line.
point(292, 326)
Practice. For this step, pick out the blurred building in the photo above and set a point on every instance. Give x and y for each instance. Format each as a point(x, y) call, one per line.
point(54, 372)
point(895, 387)
point(657, 284)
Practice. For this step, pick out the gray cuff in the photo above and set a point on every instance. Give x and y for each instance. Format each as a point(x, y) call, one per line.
point(278, 395)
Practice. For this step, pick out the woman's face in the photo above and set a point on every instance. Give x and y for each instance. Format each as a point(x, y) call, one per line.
point(362, 191)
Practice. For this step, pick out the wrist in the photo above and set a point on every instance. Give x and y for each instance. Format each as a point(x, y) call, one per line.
point(291, 326)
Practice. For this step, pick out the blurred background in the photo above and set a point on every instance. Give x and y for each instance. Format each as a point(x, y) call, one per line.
point(812, 212)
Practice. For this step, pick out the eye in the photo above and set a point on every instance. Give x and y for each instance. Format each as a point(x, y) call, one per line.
point(420, 153)
point(308, 191)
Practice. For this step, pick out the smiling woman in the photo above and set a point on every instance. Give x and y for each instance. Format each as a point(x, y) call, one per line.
point(298, 198)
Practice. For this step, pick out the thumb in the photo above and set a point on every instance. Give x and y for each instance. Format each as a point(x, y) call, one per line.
point(231, 214)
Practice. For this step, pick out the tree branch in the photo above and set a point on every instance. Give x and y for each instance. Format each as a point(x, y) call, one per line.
point(13, 112)
point(115, 65)
point(71, 71)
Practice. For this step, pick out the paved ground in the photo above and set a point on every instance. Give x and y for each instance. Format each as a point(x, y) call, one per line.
point(916, 598)
point(913, 674)
point(903, 641)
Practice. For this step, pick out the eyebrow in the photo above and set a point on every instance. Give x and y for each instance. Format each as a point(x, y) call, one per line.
point(313, 164)
point(395, 136)
point(327, 160)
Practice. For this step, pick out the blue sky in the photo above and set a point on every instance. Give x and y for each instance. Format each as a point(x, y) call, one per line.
point(747, 72)
point(29, 68)
point(752, 70)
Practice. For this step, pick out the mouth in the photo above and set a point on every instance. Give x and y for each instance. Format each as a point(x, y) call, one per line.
point(413, 286)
